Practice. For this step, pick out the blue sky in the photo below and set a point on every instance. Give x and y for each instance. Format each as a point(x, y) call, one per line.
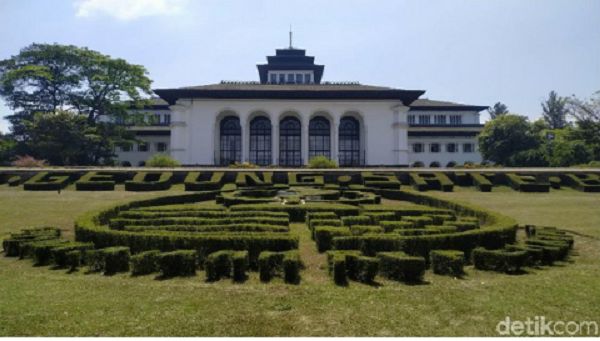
point(475, 52)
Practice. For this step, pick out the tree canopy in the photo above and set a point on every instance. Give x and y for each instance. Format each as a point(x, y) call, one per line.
point(498, 110)
point(52, 86)
point(555, 111)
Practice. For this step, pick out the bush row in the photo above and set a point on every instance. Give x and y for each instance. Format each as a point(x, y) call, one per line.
point(401, 267)
point(118, 223)
point(195, 181)
point(96, 181)
point(208, 228)
point(527, 183)
point(344, 265)
point(149, 181)
point(447, 262)
point(286, 264)
point(138, 214)
point(227, 264)
point(298, 213)
point(47, 181)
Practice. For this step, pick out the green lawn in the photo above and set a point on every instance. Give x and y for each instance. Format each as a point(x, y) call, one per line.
point(40, 301)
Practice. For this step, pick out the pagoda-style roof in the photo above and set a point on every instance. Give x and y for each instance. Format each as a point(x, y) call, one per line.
point(325, 91)
point(290, 59)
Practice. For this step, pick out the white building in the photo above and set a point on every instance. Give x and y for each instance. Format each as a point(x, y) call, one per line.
point(291, 115)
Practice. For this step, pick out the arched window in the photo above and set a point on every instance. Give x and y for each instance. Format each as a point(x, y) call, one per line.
point(451, 164)
point(290, 148)
point(435, 164)
point(418, 164)
point(231, 140)
point(349, 149)
point(319, 137)
point(260, 141)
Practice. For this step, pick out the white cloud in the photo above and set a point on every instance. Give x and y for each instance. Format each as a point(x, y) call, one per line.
point(127, 10)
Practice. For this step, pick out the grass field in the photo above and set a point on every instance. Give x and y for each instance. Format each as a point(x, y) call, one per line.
point(40, 301)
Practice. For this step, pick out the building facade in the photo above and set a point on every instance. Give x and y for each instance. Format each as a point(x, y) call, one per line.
point(290, 116)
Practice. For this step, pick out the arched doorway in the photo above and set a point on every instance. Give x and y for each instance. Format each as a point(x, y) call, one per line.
point(260, 141)
point(230, 146)
point(349, 142)
point(290, 147)
point(319, 137)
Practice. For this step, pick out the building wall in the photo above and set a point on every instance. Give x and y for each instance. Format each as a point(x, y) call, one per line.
point(443, 158)
point(195, 127)
point(136, 157)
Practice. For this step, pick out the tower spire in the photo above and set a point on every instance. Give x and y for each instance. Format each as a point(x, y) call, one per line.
point(291, 37)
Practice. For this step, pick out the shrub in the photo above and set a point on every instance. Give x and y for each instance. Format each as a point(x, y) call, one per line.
point(74, 259)
point(321, 162)
point(320, 215)
point(389, 226)
point(527, 183)
point(149, 181)
point(535, 255)
point(14, 181)
point(177, 263)
point(13, 244)
point(419, 221)
point(322, 222)
point(482, 181)
point(47, 181)
point(96, 181)
point(431, 181)
point(218, 265)
point(499, 260)
point(273, 264)
point(298, 212)
point(145, 262)
point(447, 262)
point(380, 180)
point(244, 179)
point(116, 259)
point(305, 179)
point(378, 217)
point(439, 219)
point(324, 236)
point(28, 161)
point(341, 265)
point(583, 182)
point(401, 267)
point(356, 220)
point(366, 269)
point(363, 229)
point(59, 253)
point(162, 161)
point(193, 181)
point(42, 250)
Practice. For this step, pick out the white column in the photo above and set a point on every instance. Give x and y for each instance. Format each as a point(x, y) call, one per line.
point(304, 139)
point(335, 125)
point(274, 141)
point(245, 138)
point(179, 132)
point(400, 128)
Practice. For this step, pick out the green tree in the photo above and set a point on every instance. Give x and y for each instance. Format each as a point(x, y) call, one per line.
point(498, 110)
point(569, 153)
point(53, 78)
point(555, 111)
point(7, 148)
point(504, 137)
point(587, 116)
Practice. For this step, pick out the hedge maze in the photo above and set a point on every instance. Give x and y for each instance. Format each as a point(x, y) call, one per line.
point(359, 182)
point(238, 226)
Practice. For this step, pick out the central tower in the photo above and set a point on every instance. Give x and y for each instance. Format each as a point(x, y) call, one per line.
point(290, 66)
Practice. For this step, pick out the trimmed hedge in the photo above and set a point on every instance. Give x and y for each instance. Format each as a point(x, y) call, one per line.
point(109, 260)
point(419, 221)
point(431, 181)
point(482, 181)
point(527, 183)
point(298, 212)
point(305, 179)
point(13, 244)
point(380, 180)
point(356, 220)
point(582, 182)
point(378, 217)
point(244, 179)
point(209, 228)
point(227, 264)
point(74, 259)
point(322, 222)
point(96, 181)
point(288, 264)
point(177, 263)
point(325, 234)
point(145, 263)
point(364, 229)
point(42, 250)
point(119, 223)
point(48, 181)
point(508, 261)
point(447, 262)
point(320, 215)
point(149, 181)
point(60, 253)
point(401, 267)
point(194, 181)
point(389, 226)
point(344, 265)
